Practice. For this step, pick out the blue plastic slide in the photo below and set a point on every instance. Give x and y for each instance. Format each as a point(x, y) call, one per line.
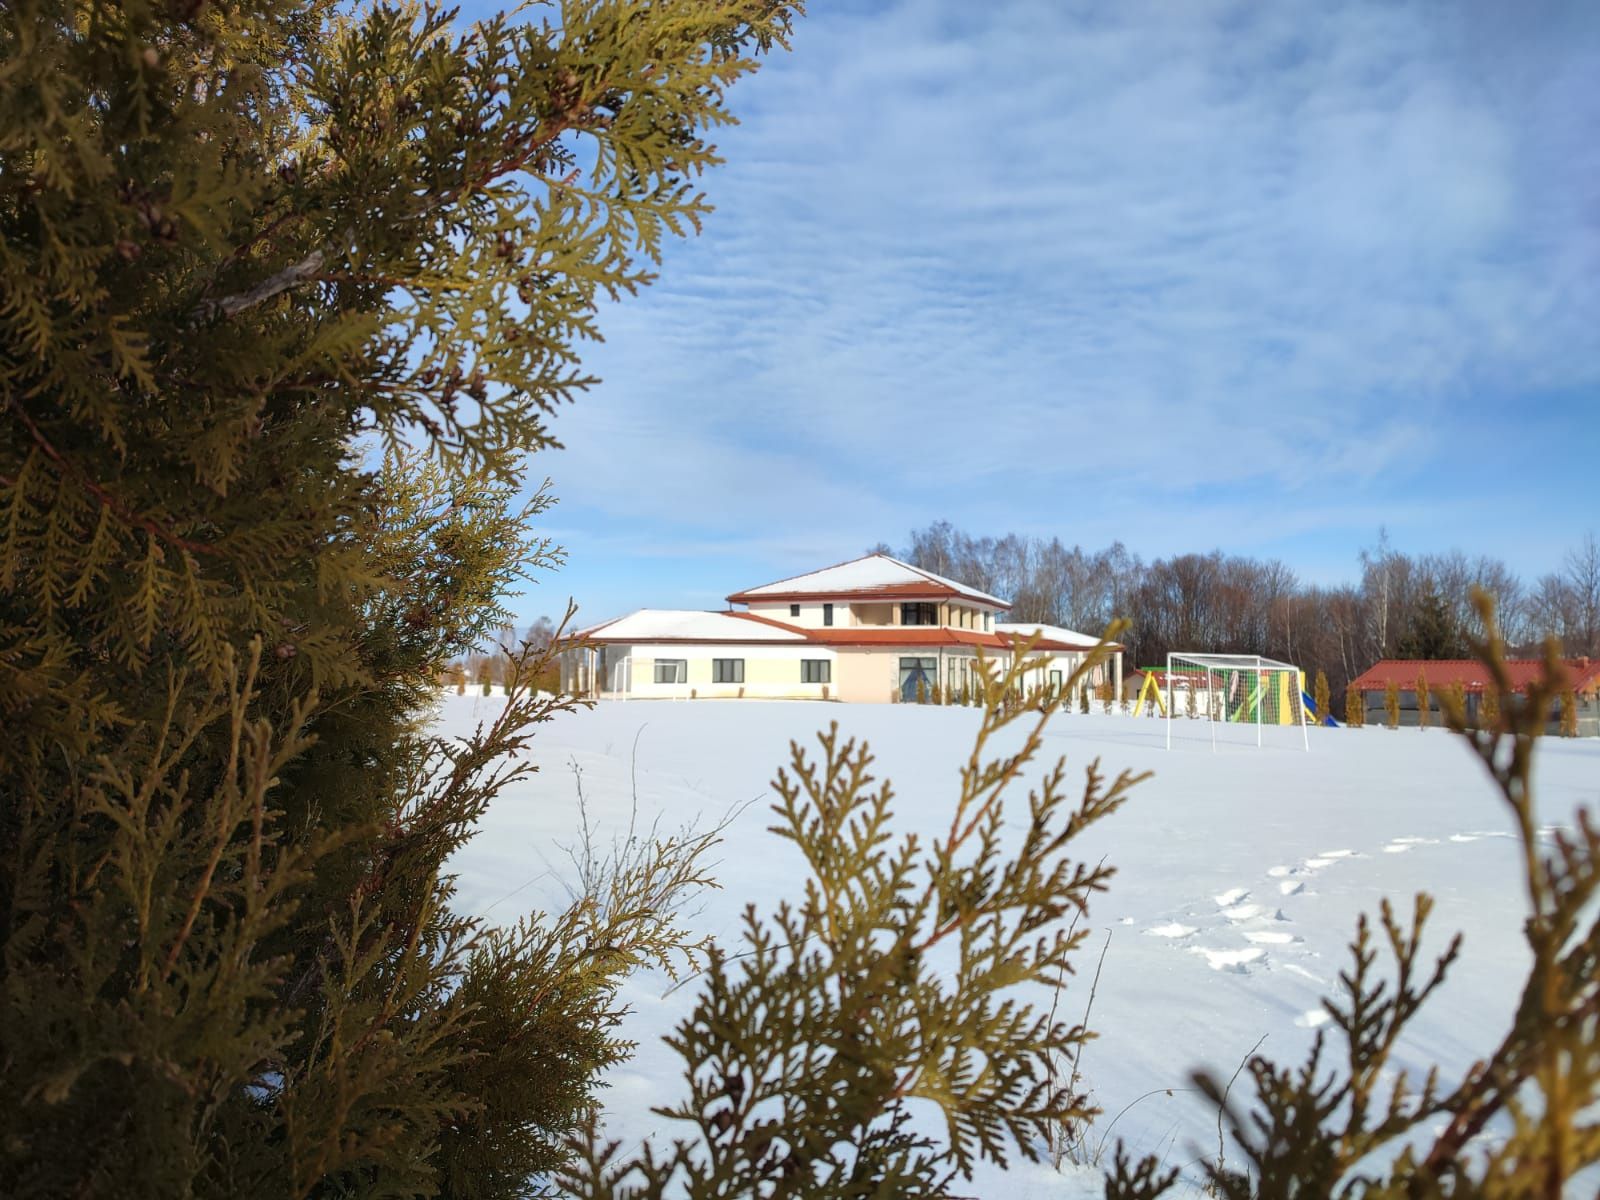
point(1311, 708)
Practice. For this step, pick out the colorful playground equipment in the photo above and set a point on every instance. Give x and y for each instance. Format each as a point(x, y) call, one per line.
point(1245, 701)
point(1151, 691)
point(1311, 707)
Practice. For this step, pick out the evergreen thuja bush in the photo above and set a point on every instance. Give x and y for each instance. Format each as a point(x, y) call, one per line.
point(907, 980)
point(1355, 707)
point(1520, 1122)
point(249, 255)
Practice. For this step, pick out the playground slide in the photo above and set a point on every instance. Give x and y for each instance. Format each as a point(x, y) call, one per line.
point(1311, 707)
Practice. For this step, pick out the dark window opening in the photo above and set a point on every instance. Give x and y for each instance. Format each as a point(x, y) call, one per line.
point(917, 679)
point(919, 614)
point(794, 610)
point(671, 670)
point(727, 670)
point(816, 670)
point(827, 614)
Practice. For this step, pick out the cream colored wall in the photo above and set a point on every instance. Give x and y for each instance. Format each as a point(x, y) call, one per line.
point(873, 614)
point(770, 672)
point(810, 614)
point(848, 614)
point(865, 676)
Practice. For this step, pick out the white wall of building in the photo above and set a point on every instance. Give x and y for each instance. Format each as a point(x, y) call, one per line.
point(770, 672)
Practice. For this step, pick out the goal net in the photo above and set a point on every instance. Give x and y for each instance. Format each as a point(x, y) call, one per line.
point(1239, 698)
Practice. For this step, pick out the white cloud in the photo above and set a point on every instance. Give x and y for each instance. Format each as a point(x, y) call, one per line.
point(1205, 250)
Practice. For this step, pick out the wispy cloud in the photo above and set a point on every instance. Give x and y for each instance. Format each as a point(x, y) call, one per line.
point(1214, 258)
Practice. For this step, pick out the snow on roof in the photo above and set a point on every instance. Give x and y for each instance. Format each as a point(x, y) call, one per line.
point(687, 625)
point(1050, 633)
point(874, 573)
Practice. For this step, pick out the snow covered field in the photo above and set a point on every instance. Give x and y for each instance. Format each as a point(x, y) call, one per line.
point(1240, 875)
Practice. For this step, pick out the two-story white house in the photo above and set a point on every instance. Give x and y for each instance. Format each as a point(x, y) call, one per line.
point(871, 630)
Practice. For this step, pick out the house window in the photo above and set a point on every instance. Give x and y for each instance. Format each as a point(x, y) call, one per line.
point(988, 620)
point(1055, 681)
point(919, 614)
point(672, 670)
point(917, 678)
point(727, 670)
point(816, 670)
point(827, 614)
point(794, 610)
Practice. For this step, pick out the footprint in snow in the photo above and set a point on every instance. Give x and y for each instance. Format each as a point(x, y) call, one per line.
point(1316, 864)
point(1280, 872)
point(1269, 937)
point(1243, 912)
point(1291, 887)
point(1231, 897)
point(1236, 961)
point(1170, 930)
point(1312, 1018)
point(1400, 845)
point(1336, 854)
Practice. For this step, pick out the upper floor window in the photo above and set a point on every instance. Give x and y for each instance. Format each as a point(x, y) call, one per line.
point(988, 621)
point(794, 610)
point(827, 614)
point(919, 614)
point(727, 670)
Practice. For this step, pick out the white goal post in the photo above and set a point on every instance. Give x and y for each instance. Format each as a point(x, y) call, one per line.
point(1235, 689)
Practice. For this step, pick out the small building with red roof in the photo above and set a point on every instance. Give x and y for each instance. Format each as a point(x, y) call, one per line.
point(871, 629)
point(1583, 676)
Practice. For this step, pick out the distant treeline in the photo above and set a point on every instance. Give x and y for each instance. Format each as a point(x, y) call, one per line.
point(1400, 605)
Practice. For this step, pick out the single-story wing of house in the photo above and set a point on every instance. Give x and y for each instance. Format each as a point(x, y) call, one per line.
point(873, 629)
point(1583, 675)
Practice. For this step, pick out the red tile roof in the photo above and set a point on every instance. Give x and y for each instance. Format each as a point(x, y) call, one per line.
point(855, 635)
point(1584, 673)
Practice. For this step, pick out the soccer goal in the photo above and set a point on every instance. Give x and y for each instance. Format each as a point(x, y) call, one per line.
point(1232, 692)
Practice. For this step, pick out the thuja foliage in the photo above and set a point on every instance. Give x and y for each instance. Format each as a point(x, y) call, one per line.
point(1391, 704)
point(1424, 701)
point(891, 1027)
point(1348, 1122)
point(1320, 695)
point(248, 255)
point(1355, 708)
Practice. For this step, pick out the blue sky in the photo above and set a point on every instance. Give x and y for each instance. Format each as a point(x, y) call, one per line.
point(1258, 276)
